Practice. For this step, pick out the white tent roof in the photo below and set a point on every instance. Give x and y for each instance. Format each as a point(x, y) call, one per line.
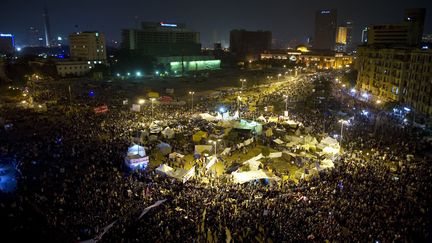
point(207, 117)
point(168, 132)
point(242, 177)
point(254, 162)
point(136, 150)
point(164, 169)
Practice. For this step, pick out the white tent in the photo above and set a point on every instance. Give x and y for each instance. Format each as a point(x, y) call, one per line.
point(326, 163)
point(275, 155)
point(226, 151)
point(278, 141)
point(242, 177)
point(136, 150)
point(175, 155)
point(328, 141)
point(168, 133)
point(254, 162)
point(164, 169)
point(261, 118)
point(208, 117)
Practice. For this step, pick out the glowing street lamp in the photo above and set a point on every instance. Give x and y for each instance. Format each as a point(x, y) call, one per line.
point(279, 75)
point(192, 94)
point(242, 82)
point(141, 101)
point(138, 74)
point(378, 102)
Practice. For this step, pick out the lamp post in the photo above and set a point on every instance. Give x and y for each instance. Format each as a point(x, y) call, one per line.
point(342, 122)
point(214, 142)
point(152, 100)
point(238, 105)
point(192, 94)
point(242, 81)
point(286, 102)
point(279, 75)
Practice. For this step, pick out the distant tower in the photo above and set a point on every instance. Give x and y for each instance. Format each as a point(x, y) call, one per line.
point(47, 27)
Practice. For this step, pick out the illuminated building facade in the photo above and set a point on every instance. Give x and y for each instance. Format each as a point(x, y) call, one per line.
point(88, 46)
point(248, 45)
point(419, 82)
point(383, 71)
point(67, 68)
point(179, 64)
point(325, 29)
point(162, 39)
point(397, 74)
point(7, 44)
point(315, 60)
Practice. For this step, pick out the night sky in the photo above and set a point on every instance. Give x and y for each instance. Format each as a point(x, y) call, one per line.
point(287, 19)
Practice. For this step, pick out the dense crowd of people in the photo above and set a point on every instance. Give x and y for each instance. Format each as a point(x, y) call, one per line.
point(71, 172)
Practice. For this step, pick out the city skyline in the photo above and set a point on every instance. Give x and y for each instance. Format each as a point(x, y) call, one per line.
point(277, 17)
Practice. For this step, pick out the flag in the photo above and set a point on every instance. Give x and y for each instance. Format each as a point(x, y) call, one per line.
point(147, 209)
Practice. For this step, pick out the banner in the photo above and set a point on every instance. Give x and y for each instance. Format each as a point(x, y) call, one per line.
point(147, 209)
point(101, 109)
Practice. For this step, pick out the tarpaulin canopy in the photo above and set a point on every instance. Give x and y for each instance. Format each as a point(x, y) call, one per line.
point(254, 162)
point(243, 177)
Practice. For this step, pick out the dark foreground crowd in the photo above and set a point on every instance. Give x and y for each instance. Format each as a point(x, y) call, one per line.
point(73, 183)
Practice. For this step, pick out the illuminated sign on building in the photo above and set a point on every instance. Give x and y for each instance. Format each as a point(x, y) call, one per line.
point(6, 35)
point(168, 25)
point(325, 12)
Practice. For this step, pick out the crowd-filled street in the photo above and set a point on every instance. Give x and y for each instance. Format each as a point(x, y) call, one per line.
point(290, 159)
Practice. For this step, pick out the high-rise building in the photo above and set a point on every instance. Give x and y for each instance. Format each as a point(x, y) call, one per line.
point(162, 39)
point(89, 46)
point(406, 33)
point(341, 36)
point(341, 39)
point(248, 45)
point(7, 44)
point(350, 46)
point(47, 27)
point(325, 29)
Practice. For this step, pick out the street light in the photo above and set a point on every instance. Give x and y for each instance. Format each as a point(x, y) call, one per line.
point(141, 101)
point(242, 82)
point(152, 100)
point(192, 94)
point(342, 122)
point(286, 103)
point(214, 142)
point(238, 105)
point(279, 75)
